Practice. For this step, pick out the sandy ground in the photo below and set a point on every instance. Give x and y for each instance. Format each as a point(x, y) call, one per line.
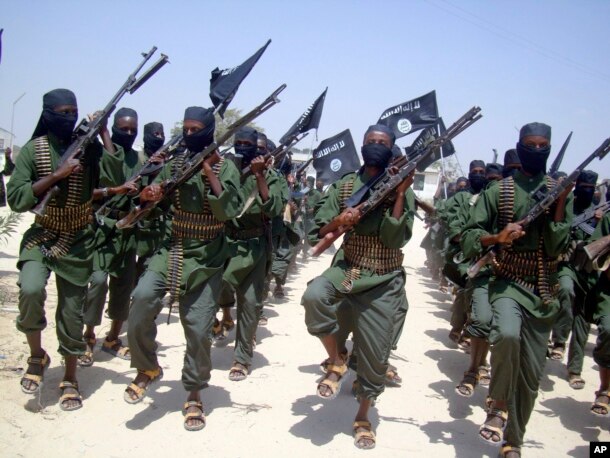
point(275, 411)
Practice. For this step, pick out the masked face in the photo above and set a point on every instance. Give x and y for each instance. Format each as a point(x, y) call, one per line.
point(533, 153)
point(247, 151)
point(61, 121)
point(196, 135)
point(477, 181)
point(376, 155)
point(153, 141)
point(583, 195)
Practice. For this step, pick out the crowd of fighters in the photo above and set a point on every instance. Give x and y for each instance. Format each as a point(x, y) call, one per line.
point(224, 236)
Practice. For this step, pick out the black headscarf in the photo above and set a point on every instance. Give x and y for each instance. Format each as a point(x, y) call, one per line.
point(477, 163)
point(151, 142)
point(199, 140)
point(533, 160)
point(583, 195)
point(457, 184)
point(493, 168)
point(246, 152)
point(120, 137)
point(511, 163)
point(60, 125)
point(376, 154)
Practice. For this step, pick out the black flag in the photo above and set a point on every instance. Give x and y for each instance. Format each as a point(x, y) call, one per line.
point(224, 83)
point(1, 30)
point(411, 116)
point(335, 156)
point(310, 119)
point(428, 135)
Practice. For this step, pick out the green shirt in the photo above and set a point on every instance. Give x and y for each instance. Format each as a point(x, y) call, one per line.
point(484, 220)
point(393, 233)
point(76, 265)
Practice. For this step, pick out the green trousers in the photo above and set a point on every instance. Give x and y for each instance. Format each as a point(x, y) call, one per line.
point(120, 287)
point(197, 311)
point(565, 318)
point(282, 258)
point(459, 310)
point(32, 283)
point(518, 355)
point(373, 314)
point(479, 324)
point(601, 352)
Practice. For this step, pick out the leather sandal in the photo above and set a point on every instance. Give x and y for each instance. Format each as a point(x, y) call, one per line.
point(86, 359)
point(35, 379)
point(193, 415)
point(139, 391)
point(468, 383)
point(494, 430)
point(333, 385)
point(506, 449)
point(363, 431)
point(116, 348)
point(66, 397)
point(238, 372)
point(599, 407)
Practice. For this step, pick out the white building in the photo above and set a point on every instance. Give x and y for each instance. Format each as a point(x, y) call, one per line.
point(5, 138)
point(425, 184)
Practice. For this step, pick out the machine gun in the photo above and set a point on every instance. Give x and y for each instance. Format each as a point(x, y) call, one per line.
point(278, 152)
point(382, 186)
point(86, 131)
point(598, 252)
point(194, 164)
point(542, 206)
point(581, 220)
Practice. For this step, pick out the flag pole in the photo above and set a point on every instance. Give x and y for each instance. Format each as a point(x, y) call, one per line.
point(438, 133)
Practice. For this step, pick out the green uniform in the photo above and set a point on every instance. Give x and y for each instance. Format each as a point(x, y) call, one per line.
point(574, 287)
point(69, 216)
point(521, 321)
point(601, 298)
point(249, 239)
point(115, 250)
point(191, 263)
point(371, 281)
point(287, 240)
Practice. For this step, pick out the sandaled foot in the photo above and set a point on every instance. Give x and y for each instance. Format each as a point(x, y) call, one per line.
point(136, 390)
point(86, 360)
point(454, 336)
point(278, 292)
point(600, 406)
point(364, 437)
point(115, 348)
point(34, 375)
point(484, 375)
point(263, 320)
point(238, 372)
point(464, 343)
point(391, 377)
point(466, 386)
point(576, 382)
point(331, 385)
point(70, 398)
point(492, 431)
point(557, 351)
point(344, 355)
point(508, 451)
point(194, 417)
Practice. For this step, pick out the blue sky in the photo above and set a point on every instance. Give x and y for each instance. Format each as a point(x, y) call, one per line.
point(520, 61)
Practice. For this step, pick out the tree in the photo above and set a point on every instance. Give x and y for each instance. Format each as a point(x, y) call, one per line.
point(231, 115)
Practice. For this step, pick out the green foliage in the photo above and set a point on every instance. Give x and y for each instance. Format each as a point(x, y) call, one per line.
point(231, 115)
point(8, 225)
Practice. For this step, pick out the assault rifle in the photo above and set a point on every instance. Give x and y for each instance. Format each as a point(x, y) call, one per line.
point(541, 207)
point(301, 168)
point(386, 183)
point(557, 162)
point(598, 251)
point(581, 220)
point(86, 131)
point(194, 164)
point(151, 167)
point(279, 151)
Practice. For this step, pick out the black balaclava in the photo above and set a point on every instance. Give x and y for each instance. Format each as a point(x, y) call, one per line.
point(151, 142)
point(511, 159)
point(120, 137)
point(270, 145)
point(376, 154)
point(583, 195)
point(60, 125)
point(533, 160)
point(493, 171)
point(199, 140)
point(246, 152)
point(457, 184)
point(477, 180)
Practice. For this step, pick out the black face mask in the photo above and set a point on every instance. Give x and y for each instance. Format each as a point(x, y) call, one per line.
point(477, 182)
point(376, 155)
point(152, 143)
point(199, 140)
point(60, 124)
point(583, 197)
point(533, 160)
point(123, 139)
point(247, 153)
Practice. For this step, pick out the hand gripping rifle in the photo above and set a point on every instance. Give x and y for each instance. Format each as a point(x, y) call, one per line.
point(386, 183)
point(281, 149)
point(194, 164)
point(542, 206)
point(151, 167)
point(86, 131)
point(581, 220)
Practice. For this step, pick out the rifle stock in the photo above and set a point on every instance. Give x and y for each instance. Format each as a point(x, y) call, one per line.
point(87, 131)
point(598, 253)
point(194, 164)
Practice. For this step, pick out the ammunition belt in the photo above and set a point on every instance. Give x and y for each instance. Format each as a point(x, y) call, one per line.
point(199, 226)
point(366, 252)
point(59, 223)
point(244, 234)
point(345, 193)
